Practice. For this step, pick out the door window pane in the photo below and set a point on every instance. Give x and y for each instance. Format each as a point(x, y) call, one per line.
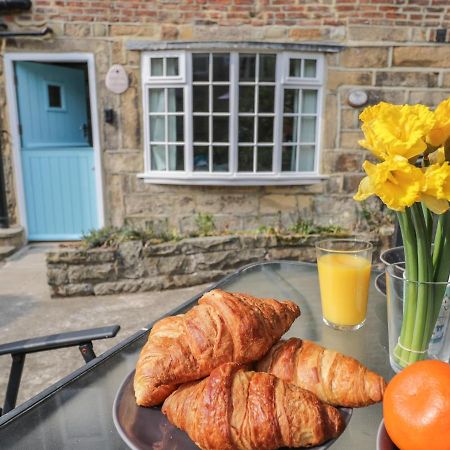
point(246, 129)
point(172, 67)
point(176, 157)
point(309, 68)
point(308, 129)
point(265, 129)
point(156, 67)
point(200, 98)
point(201, 159)
point(266, 99)
point(309, 102)
point(291, 101)
point(220, 158)
point(245, 159)
point(247, 67)
point(54, 96)
point(264, 159)
point(289, 158)
point(220, 129)
point(175, 99)
point(156, 100)
point(221, 98)
point(157, 128)
point(201, 129)
point(267, 64)
point(306, 158)
point(158, 157)
point(200, 69)
point(295, 67)
point(221, 67)
point(246, 99)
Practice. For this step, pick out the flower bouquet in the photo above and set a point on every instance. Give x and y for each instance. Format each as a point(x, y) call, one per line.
point(412, 177)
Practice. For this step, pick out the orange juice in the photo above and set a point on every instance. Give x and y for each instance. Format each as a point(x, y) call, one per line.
point(344, 286)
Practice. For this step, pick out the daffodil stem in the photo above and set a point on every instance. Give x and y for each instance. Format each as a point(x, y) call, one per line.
point(428, 221)
point(439, 240)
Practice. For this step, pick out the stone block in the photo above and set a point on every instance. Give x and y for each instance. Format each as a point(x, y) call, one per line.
point(364, 57)
point(165, 249)
point(57, 275)
point(175, 264)
point(100, 255)
point(192, 279)
point(141, 30)
point(305, 34)
point(75, 256)
point(349, 118)
point(130, 261)
point(72, 290)
point(99, 29)
point(185, 32)
point(397, 96)
point(169, 32)
point(94, 272)
point(274, 203)
point(330, 131)
point(337, 78)
point(407, 79)
point(428, 98)
point(293, 254)
point(350, 139)
point(351, 182)
point(77, 30)
point(377, 33)
point(421, 56)
point(130, 119)
point(293, 240)
point(345, 162)
point(275, 32)
point(209, 244)
point(124, 162)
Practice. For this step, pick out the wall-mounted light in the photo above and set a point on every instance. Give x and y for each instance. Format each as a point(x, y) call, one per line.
point(357, 98)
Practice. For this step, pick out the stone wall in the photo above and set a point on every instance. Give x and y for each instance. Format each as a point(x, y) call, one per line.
point(133, 267)
point(390, 52)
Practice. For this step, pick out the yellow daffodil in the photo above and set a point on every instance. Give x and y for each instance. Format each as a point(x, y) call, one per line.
point(397, 182)
point(437, 181)
point(441, 130)
point(396, 129)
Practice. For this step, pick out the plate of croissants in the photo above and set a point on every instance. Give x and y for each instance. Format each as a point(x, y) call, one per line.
point(220, 378)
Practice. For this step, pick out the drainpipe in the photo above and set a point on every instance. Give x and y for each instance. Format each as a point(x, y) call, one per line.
point(4, 222)
point(14, 5)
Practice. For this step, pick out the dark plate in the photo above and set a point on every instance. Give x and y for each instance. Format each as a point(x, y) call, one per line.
point(148, 428)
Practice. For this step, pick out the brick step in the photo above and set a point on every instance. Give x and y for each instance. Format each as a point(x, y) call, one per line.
point(6, 250)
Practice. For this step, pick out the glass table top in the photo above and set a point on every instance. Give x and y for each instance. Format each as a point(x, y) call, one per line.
point(77, 412)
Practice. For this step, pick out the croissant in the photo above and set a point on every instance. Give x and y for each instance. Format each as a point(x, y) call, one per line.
point(235, 409)
point(335, 378)
point(224, 327)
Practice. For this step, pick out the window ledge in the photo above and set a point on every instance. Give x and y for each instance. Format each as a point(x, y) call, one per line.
point(231, 180)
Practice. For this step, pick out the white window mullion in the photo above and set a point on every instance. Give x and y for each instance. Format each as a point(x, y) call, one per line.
point(299, 122)
point(234, 111)
point(188, 118)
point(210, 109)
point(278, 117)
point(166, 126)
point(255, 124)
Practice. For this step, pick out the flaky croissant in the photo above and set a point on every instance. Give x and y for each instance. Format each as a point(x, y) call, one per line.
point(335, 378)
point(234, 409)
point(224, 327)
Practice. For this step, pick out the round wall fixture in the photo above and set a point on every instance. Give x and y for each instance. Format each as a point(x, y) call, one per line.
point(357, 98)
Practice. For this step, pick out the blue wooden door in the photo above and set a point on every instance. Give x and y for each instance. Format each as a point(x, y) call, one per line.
point(57, 156)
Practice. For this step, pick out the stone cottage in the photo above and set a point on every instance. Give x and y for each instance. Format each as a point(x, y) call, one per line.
point(149, 112)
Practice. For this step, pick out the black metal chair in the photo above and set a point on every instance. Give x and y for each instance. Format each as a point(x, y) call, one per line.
point(19, 349)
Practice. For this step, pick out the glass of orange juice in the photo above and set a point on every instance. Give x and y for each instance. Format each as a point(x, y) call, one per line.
point(344, 275)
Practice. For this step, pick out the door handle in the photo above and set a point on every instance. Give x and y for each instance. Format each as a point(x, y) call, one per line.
point(84, 128)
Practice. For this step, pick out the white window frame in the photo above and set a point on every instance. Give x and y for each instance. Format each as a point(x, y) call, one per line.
point(282, 81)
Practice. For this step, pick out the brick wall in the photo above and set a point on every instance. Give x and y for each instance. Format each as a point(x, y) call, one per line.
point(390, 52)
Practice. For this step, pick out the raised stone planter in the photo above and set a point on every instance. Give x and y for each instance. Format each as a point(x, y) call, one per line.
point(134, 267)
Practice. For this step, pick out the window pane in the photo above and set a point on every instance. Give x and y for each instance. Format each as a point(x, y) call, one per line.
point(295, 67)
point(221, 98)
point(201, 127)
point(290, 129)
point(220, 159)
point(200, 98)
point(54, 96)
point(156, 67)
point(309, 68)
point(158, 157)
point(157, 128)
point(245, 159)
point(266, 98)
point(291, 101)
point(200, 69)
point(306, 158)
point(175, 99)
point(246, 99)
point(265, 129)
point(267, 64)
point(220, 129)
point(176, 128)
point(308, 129)
point(221, 67)
point(172, 67)
point(247, 65)
point(156, 100)
point(289, 158)
point(246, 129)
point(201, 159)
point(309, 102)
point(176, 157)
point(264, 159)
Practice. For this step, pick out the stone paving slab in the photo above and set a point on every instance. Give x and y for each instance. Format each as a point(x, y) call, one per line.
point(27, 310)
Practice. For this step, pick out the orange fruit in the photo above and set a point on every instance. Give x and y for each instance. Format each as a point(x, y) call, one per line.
point(416, 407)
